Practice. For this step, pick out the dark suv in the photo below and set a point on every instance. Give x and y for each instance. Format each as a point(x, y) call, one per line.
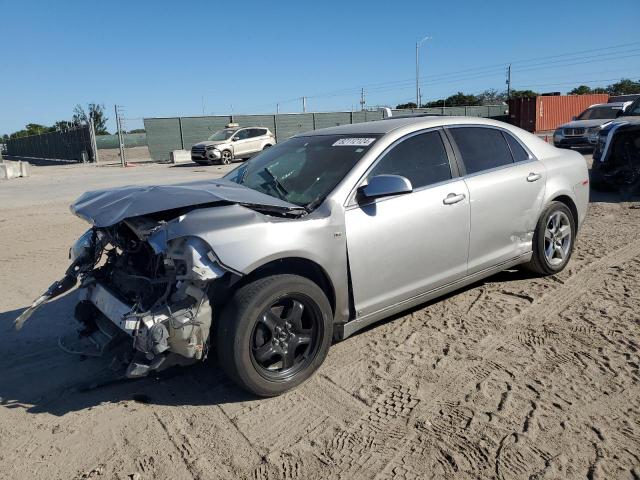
point(616, 158)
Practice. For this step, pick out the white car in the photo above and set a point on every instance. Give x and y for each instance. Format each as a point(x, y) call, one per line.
point(232, 143)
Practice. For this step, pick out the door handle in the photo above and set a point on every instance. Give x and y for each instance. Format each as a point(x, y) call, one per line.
point(453, 198)
point(532, 177)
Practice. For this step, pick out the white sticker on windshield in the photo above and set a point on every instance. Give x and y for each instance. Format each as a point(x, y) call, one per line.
point(354, 142)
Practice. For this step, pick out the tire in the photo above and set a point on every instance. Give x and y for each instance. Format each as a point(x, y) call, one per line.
point(226, 158)
point(259, 357)
point(552, 250)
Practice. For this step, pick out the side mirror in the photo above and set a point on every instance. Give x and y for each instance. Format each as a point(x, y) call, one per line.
point(234, 139)
point(619, 113)
point(385, 185)
point(574, 118)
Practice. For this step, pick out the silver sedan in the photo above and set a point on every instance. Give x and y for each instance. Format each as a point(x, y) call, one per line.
point(315, 239)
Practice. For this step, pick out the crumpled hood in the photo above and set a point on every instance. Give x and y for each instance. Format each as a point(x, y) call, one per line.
point(585, 123)
point(103, 208)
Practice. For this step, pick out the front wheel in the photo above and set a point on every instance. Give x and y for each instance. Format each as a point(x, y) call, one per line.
point(553, 239)
point(274, 333)
point(226, 157)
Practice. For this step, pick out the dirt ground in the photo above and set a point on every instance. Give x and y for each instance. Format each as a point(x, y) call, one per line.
point(515, 377)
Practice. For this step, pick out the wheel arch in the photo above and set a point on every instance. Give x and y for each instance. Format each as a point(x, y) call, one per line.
point(297, 266)
point(571, 205)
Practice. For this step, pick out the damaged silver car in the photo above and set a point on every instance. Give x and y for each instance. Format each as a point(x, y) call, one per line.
point(313, 240)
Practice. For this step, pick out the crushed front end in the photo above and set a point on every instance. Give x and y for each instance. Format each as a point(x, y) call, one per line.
point(135, 287)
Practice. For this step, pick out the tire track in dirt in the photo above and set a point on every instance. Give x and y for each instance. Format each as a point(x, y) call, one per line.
point(548, 306)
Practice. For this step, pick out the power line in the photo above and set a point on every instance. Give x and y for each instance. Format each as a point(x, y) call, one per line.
point(487, 71)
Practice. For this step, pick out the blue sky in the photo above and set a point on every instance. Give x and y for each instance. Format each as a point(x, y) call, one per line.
point(160, 58)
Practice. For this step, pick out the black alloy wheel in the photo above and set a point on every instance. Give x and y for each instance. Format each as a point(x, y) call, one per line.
point(273, 333)
point(285, 337)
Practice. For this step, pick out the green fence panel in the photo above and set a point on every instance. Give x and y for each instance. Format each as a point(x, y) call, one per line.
point(358, 117)
point(475, 111)
point(255, 121)
point(331, 119)
point(497, 110)
point(198, 129)
point(371, 116)
point(68, 145)
point(166, 134)
point(130, 140)
point(290, 124)
point(163, 136)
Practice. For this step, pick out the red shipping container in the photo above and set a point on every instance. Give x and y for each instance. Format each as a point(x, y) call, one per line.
point(544, 113)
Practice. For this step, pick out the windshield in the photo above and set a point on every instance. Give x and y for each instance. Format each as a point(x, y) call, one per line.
point(599, 113)
point(303, 170)
point(222, 134)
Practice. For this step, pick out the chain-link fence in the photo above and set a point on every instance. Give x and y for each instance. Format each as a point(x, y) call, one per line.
point(73, 145)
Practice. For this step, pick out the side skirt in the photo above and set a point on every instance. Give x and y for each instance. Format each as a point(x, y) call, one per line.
point(347, 329)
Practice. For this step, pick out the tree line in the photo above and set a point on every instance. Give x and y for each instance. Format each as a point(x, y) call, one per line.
point(81, 116)
point(494, 97)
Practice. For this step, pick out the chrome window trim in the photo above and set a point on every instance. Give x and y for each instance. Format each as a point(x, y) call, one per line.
point(351, 200)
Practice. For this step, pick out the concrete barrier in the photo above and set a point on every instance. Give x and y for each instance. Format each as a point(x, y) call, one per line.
point(13, 169)
point(180, 156)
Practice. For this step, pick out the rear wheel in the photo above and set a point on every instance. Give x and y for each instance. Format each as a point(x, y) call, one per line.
point(274, 333)
point(553, 239)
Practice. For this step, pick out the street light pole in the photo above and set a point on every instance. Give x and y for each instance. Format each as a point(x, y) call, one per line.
point(418, 44)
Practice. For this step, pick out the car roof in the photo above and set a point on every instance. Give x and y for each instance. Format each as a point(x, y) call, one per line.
point(381, 127)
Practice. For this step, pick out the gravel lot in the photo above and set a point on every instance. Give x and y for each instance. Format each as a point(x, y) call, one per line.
point(514, 377)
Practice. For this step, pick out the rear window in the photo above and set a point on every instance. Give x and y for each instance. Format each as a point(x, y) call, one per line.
point(519, 153)
point(481, 148)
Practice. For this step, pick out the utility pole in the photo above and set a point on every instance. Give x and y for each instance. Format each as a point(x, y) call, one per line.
point(203, 105)
point(304, 104)
point(418, 44)
point(362, 100)
point(419, 97)
point(277, 108)
point(123, 159)
point(508, 82)
point(94, 144)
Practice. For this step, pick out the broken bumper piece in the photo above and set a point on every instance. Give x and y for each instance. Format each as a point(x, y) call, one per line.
point(161, 338)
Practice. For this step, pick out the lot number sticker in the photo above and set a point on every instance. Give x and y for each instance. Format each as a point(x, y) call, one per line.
point(354, 142)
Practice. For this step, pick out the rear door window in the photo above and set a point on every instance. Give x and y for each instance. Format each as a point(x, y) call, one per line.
point(421, 158)
point(519, 153)
point(481, 148)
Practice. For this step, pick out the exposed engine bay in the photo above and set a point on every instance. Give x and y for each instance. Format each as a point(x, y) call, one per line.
point(155, 296)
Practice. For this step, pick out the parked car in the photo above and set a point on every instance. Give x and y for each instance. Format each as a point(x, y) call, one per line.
point(616, 157)
point(315, 239)
point(232, 143)
point(576, 133)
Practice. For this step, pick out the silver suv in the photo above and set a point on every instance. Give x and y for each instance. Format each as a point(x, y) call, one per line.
point(578, 131)
point(232, 143)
